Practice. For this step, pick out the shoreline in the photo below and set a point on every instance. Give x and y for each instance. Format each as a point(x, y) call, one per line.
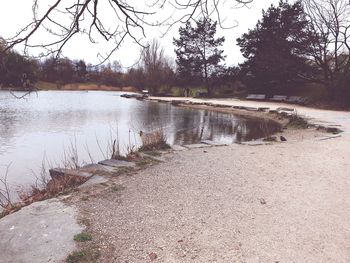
point(181, 192)
point(234, 111)
point(315, 116)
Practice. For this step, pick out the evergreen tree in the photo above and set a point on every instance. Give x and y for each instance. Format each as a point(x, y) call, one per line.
point(198, 53)
point(278, 48)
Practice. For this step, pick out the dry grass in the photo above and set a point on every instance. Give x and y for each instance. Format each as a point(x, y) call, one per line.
point(37, 192)
point(295, 121)
point(153, 141)
point(53, 187)
point(6, 203)
point(44, 85)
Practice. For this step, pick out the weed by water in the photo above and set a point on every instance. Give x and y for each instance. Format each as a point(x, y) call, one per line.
point(153, 141)
point(295, 121)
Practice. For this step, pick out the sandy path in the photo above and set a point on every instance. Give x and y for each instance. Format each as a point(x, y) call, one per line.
point(207, 207)
point(286, 202)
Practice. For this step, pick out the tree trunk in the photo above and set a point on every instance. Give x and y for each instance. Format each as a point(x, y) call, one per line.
point(206, 83)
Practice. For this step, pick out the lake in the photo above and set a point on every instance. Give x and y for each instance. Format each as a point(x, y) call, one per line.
point(47, 125)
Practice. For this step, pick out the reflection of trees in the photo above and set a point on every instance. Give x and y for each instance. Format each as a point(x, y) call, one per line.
point(8, 119)
point(60, 113)
point(185, 126)
point(204, 125)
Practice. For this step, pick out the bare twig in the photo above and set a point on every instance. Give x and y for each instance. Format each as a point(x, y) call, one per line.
point(5, 191)
point(63, 21)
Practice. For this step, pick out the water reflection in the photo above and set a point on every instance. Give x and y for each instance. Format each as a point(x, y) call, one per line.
point(48, 121)
point(185, 126)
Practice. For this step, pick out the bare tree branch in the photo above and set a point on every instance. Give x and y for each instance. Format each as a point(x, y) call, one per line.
point(130, 19)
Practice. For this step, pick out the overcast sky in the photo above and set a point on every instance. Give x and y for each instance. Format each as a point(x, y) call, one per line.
point(14, 14)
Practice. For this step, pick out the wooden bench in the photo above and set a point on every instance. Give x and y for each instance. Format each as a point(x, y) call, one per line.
point(279, 98)
point(256, 97)
point(297, 100)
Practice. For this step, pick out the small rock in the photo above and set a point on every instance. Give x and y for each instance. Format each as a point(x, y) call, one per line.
point(153, 256)
point(262, 201)
point(283, 139)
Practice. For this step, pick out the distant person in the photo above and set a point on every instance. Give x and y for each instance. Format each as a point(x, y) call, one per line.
point(187, 92)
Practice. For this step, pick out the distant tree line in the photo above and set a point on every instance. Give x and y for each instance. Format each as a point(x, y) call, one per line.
point(293, 45)
point(154, 71)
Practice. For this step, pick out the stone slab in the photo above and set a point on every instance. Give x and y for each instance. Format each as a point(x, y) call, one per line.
point(328, 137)
point(250, 108)
point(96, 179)
point(178, 148)
point(57, 173)
point(116, 163)
point(256, 143)
point(41, 232)
point(93, 168)
point(197, 146)
point(212, 143)
point(285, 109)
point(263, 109)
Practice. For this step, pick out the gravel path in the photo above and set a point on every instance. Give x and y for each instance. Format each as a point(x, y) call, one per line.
point(286, 202)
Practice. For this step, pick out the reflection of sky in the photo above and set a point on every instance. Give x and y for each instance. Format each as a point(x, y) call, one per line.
point(47, 122)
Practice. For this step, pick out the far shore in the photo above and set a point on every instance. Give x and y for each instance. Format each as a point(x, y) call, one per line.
point(43, 85)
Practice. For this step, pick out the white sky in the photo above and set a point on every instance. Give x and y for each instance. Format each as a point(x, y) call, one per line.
point(14, 14)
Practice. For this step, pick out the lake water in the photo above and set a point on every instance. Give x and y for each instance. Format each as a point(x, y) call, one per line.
point(46, 124)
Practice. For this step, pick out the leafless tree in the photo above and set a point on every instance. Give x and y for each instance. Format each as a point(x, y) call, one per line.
point(330, 20)
point(111, 20)
point(156, 66)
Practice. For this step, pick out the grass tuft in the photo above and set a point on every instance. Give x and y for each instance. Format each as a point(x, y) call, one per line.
point(83, 256)
point(298, 122)
point(82, 237)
